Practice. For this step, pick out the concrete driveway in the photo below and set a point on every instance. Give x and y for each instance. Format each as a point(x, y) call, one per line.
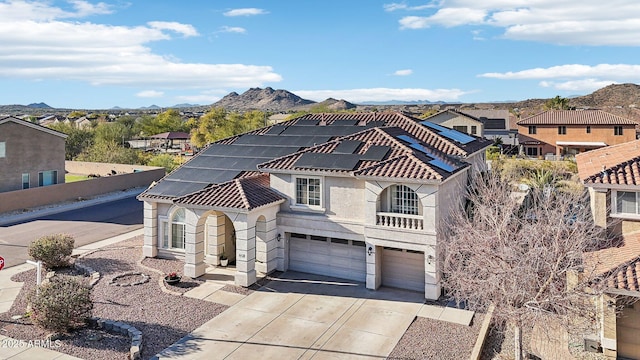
point(303, 316)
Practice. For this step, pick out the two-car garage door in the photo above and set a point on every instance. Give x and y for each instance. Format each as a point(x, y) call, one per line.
point(346, 259)
point(340, 258)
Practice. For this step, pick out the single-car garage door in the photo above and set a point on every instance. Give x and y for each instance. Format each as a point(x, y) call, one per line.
point(328, 256)
point(403, 269)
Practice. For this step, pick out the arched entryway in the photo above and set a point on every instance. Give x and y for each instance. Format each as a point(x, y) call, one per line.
point(219, 237)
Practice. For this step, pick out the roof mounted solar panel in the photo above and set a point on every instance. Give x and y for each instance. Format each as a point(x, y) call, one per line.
point(176, 188)
point(307, 122)
point(346, 122)
point(347, 147)
point(375, 153)
point(433, 126)
point(436, 160)
point(407, 138)
point(277, 129)
point(457, 136)
point(376, 123)
point(328, 161)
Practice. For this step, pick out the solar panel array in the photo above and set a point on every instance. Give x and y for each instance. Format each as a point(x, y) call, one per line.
point(436, 160)
point(450, 134)
point(328, 161)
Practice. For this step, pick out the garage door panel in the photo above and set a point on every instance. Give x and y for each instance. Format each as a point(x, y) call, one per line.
point(325, 258)
point(403, 269)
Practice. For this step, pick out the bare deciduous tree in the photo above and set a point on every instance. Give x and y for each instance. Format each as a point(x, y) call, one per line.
point(517, 254)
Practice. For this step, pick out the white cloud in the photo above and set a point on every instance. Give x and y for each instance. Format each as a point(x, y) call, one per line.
point(204, 97)
point(402, 6)
point(383, 94)
point(232, 29)
point(84, 8)
point(150, 94)
point(405, 72)
point(245, 12)
point(38, 45)
point(614, 71)
point(13, 10)
point(586, 85)
point(574, 77)
point(184, 29)
point(569, 22)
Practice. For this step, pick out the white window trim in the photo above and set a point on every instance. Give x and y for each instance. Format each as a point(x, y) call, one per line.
point(390, 194)
point(614, 205)
point(305, 207)
point(3, 149)
point(162, 220)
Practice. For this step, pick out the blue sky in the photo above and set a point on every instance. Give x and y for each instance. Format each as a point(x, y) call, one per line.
point(96, 55)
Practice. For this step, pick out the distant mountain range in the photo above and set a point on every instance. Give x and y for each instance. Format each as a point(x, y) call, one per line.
point(619, 99)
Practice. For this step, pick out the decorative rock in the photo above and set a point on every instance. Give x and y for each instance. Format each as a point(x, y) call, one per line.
point(108, 325)
point(134, 352)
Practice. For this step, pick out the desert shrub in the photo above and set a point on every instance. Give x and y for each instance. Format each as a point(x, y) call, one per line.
point(493, 153)
point(62, 304)
point(53, 250)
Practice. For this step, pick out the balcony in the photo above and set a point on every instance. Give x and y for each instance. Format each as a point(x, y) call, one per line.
point(400, 221)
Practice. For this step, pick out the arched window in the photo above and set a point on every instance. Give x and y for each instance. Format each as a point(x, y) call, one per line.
point(403, 200)
point(174, 230)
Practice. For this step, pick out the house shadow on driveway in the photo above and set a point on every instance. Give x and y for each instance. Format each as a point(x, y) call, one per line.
point(304, 283)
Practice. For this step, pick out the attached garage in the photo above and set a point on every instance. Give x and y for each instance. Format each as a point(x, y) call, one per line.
point(403, 269)
point(339, 258)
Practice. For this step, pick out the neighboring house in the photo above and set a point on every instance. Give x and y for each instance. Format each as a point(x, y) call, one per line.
point(30, 155)
point(351, 195)
point(496, 124)
point(612, 175)
point(458, 120)
point(570, 132)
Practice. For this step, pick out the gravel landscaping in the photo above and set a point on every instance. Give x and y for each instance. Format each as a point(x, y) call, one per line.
point(435, 339)
point(162, 317)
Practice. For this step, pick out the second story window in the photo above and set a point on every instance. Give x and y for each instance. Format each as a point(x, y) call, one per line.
point(532, 129)
point(404, 200)
point(627, 202)
point(562, 130)
point(2, 149)
point(588, 129)
point(617, 130)
point(474, 130)
point(308, 191)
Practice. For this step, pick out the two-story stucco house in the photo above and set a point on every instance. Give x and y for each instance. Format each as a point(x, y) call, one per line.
point(612, 175)
point(30, 155)
point(358, 196)
point(570, 132)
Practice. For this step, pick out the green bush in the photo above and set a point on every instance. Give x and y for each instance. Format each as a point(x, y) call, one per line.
point(62, 304)
point(53, 250)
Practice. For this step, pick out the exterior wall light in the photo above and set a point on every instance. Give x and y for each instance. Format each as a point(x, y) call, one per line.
point(278, 237)
point(430, 259)
point(370, 250)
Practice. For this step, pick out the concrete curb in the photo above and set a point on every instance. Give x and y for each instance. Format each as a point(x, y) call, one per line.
point(482, 336)
point(58, 208)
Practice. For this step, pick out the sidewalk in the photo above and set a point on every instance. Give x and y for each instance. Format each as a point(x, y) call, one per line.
point(9, 290)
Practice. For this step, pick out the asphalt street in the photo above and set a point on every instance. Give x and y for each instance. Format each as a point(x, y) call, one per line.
point(87, 225)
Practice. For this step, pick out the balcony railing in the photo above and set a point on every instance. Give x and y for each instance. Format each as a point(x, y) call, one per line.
point(400, 221)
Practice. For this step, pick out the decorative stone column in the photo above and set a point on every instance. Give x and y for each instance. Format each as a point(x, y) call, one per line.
point(150, 214)
point(374, 266)
point(431, 274)
point(245, 250)
point(194, 265)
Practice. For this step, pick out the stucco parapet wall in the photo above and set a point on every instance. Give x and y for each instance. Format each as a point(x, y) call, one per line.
point(20, 200)
point(103, 169)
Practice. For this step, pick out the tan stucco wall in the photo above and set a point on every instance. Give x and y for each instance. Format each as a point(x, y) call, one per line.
point(450, 120)
point(548, 135)
point(24, 199)
point(30, 151)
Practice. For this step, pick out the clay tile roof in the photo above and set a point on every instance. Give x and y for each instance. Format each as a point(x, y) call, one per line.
point(576, 117)
point(627, 277)
point(246, 193)
point(612, 258)
point(617, 164)
point(400, 161)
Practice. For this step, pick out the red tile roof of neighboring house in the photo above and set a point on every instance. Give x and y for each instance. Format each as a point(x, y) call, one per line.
point(611, 258)
point(626, 277)
point(617, 164)
point(576, 117)
point(247, 193)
